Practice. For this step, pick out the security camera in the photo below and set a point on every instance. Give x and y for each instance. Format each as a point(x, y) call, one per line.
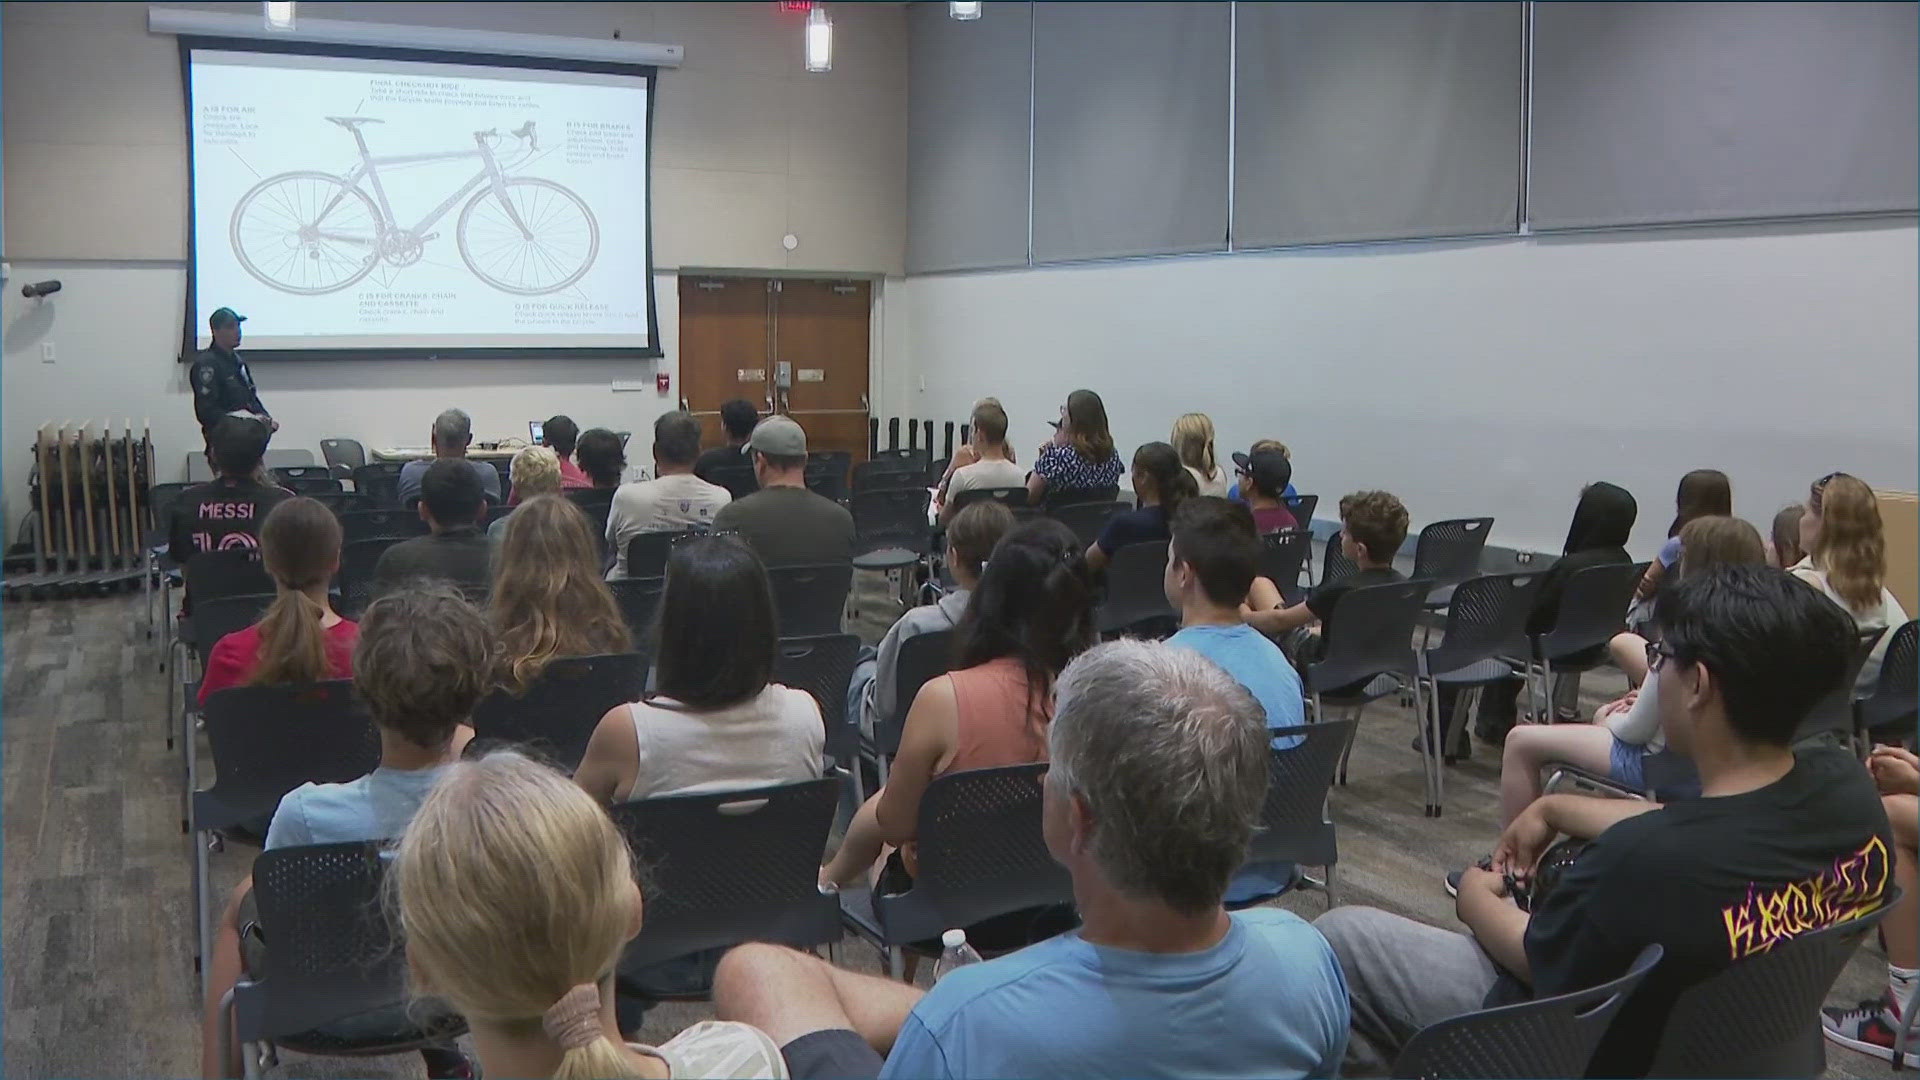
point(39, 289)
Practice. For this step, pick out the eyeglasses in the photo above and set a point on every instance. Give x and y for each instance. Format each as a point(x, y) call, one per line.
point(1657, 655)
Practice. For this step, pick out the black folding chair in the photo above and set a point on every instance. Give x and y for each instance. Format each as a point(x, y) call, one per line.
point(1303, 508)
point(1014, 498)
point(913, 458)
point(342, 502)
point(1294, 826)
point(936, 470)
point(890, 529)
point(1760, 1016)
point(1087, 519)
point(1552, 1036)
point(822, 665)
point(1593, 608)
point(809, 599)
point(1368, 651)
point(826, 474)
point(1056, 499)
point(1895, 702)
point(358, 560)
point(647, 552)
point(330, 956)
point(881, 473)
point(1334, 564)
point(1449, 553)
point(639, 600)
point(1136, 600)
point(208, 576)
point(556, 715)
point(266, 741)
point(343, 456)
point(597, 504)
point(359, 524)
point(161, 569)
point(981, 855)
point(1486, 620)
point(922, 657)
point(1283, 555)
point(306, 479)
point(1833, 715)
point(379, 480)
point(211, 620)
point(493, 514)
point(739, 480)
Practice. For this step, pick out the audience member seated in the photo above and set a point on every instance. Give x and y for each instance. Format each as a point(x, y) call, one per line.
point(561, 435)
point(420, 666)
point(454, 549)
point(1032, 612)
point(1193, 440)
point(1373, 525)
point(1159, 484)
point(1624, 733)
point(548, 599)
point(1211, 563)
point(737, 417)
point(452, 434)
point(1080, 456)
point(517, 895)
point(1783, 547)
point(1870, 1026)
point(985, 463)
point(1159, 772)
point(299, 639)
point(1237, 492)
point(1702, 493)
point(1847, 560)
point(715, 719)
point(1264, 477)
point(226, 512)
point(786, 523)
point(535, 472)
point(675, 499)
point(602, 457)
point(1745, 653)
point(970, 540)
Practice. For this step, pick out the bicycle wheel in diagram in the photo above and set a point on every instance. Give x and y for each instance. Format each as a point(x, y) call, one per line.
point(306, 233)
point(547, 242)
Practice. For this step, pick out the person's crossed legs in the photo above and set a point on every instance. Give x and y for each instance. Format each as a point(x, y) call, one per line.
point(827, 1022)
point(1529, 747)
point(1401, 976)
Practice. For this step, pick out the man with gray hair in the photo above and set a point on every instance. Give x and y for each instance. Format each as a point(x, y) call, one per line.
point(1159, 769)
point(452, 431)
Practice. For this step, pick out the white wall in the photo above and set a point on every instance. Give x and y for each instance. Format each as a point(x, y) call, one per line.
point(1472, 378)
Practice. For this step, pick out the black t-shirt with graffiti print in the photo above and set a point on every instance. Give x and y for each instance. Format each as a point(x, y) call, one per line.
point(220, 516)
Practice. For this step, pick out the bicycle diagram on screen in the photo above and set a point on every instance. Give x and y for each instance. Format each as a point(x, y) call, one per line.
point(309, 232)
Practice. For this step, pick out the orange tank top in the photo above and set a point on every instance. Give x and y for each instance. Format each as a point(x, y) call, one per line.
point(994, 724)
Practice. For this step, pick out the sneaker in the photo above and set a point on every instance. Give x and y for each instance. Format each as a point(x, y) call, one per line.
point(1453, 883)
point(1868, 1027)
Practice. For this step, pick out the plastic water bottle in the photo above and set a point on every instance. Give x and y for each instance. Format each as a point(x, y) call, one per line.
point(954, 953)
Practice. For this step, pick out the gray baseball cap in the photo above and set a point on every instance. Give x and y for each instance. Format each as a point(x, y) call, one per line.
point(778, 436)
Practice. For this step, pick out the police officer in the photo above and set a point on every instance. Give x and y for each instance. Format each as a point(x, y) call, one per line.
point(222, 385)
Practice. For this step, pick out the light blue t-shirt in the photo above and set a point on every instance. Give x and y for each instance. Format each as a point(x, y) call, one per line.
point(1267, 1001)
point(1669, 552)
point(1256, 663)
point(378, 806)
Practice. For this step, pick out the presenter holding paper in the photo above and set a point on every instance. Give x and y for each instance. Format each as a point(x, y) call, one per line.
point(222, 385)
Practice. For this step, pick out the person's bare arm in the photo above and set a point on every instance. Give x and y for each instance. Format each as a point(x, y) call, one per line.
point(1276, 621)
point(612, 760)
point(1262, 595)
point(1036, 488)
point(926, 741)
point(1499, 926)
point(1650, 580)
point(1582, 817)
point(1096, 557)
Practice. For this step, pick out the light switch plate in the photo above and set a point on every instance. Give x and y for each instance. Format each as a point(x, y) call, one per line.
point(631, 385)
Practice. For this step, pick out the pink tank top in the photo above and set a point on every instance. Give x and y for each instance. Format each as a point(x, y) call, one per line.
point(994, 723)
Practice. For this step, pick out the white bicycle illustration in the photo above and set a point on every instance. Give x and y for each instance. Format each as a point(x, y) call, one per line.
point(311, 232)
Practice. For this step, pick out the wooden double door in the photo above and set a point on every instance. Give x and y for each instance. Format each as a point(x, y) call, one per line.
point(797, 346)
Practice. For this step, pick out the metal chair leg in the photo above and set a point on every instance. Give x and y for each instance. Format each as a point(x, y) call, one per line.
point(896, 964)
point(1330, 900)
point(203, 960)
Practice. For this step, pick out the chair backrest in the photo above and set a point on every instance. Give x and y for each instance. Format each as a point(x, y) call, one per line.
point(738, 479)
point(231, 572)
point(1293, 821)
point(891, 518)
point(727, 867)
point(1896, 696)
point(358, 560)
point(311, 485)
point(493, 514)
point(827, 476)
point(341, 454)
point(1593, 608)
point(1449, 551)
point(1760, 1016)
point(921, 657)
point(647, 552)
point(285, 473)
point(913, 458)
point(372, 524)
point(343, 502)
point(639, 600)
point(1833, 714)
point(1304, 507)
point(937, 469)
point(216, 618)
point(587, 498)
point(1552, 1036)
point(1012, 497)
point(381, 480)
point(1283, 554)
point(981, 854)
point(556, 715)
point(822, 665)
point(334, 953)
point(267, 740)
point(888, 472)
point(1334, 564)
point(1136, 593)
point(1087, 519)
point(1486, 618)
point(1371, 634)
point(809, 598)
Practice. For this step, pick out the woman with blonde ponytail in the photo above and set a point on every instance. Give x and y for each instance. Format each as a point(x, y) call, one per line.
point(301, 638)
point(516, 896)
point(1847, 559)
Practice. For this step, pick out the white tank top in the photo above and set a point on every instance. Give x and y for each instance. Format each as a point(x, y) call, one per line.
point(776, 737)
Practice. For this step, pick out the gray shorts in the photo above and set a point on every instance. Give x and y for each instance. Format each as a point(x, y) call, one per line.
point(838, 1054)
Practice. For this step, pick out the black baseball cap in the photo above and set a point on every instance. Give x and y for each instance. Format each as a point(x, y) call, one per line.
point(224, 317)
point(1270, 470)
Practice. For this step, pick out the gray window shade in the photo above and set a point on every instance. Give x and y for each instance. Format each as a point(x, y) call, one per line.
point(1129, 129)
point(967, 138)
point(1646, 113)
point(1376, 121)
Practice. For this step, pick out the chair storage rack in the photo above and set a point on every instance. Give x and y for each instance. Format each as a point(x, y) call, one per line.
point(83, 532)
